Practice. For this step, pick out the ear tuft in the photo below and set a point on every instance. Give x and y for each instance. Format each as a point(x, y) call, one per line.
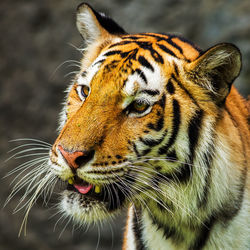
point(216, 69)
point(93, 25)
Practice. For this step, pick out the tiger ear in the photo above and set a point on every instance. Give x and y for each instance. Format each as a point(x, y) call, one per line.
point(93, 25)
point(216, 69)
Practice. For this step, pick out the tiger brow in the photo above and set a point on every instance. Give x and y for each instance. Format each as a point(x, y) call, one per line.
point(150, 92)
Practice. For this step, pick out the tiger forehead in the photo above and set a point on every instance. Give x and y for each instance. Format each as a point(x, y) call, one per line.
point(156, 47)
point(128, 71)
point(140, 59)
point(157, 44)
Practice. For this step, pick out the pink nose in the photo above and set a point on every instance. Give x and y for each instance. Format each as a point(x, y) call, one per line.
point(72, 158)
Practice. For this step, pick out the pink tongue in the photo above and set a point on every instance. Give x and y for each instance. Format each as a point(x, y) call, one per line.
point(83, 189)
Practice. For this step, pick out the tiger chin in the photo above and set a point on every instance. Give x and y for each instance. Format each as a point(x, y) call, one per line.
point(153, 123)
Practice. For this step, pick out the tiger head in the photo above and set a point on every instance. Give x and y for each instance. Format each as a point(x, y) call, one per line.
point(136, 112)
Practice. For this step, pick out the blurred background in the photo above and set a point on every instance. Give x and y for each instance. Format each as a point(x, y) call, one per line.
point(37, 37)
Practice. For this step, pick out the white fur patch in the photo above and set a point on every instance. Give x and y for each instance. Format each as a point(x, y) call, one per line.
point(130, 234)
point(135, 83)
point(59, 167)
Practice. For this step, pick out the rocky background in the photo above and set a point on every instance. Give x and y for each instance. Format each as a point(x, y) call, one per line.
point(36, 37)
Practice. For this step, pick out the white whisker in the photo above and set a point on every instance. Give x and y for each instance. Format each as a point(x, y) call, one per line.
point(26, 165)
point(29, 144)
point(30, 139)
point(37, 178)
point(60, 65)
point(71, 73)
point(19, 155)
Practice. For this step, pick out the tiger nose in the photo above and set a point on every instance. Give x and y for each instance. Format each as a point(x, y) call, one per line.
point(77, 158)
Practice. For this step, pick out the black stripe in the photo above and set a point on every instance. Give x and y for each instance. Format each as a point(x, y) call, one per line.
point(170, 87)
point(132, 37)
point(136, 150)
point(137, 229)
point(111, 65)
point(208, 160)
point(201, 240)
point(155, 35)
point(150, 92)
point(170, 41)
point(144, 62)
point(162, 101)
point(158, 58)
point(114, 62)
point(145, 151)
point(181, 175)
point(130, 178)
point(163, 206)
point(159, 37)
point(165, 49)
point(148, 46)
point(158, 126)
point(152, 142)
point(167, 231)
point(168, 38)
point(142, 75)
point(176, 69)
point(103, 172)
point(175, 128)
point(120, 52)
point(124, 82)
point(129, 55)
point(113, 52)
point(185, 90)
point(119, 44)
point(172, 155)
point(100, 61)
point(194, 132)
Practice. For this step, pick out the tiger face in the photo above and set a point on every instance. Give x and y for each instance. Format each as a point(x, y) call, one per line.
point(134, 114)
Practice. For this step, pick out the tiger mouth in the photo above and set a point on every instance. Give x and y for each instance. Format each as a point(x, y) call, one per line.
point(111, 195)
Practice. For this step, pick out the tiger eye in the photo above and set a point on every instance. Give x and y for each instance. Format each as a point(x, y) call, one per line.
point(85, 91)
point(140, 106)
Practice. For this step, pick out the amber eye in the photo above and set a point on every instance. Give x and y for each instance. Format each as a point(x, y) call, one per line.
point(84, 91)
point(139, 106)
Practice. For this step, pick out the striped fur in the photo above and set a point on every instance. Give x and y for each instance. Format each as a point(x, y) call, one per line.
point(170, 137)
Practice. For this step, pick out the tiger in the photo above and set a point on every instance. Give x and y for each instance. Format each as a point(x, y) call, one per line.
point(152, 123)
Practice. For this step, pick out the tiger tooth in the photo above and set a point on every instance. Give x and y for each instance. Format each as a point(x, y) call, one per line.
point(97, 189)
point(70, 181)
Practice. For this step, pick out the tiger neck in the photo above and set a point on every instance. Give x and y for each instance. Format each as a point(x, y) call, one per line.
point(154, 228)
point(193, 208)
point(145, 231)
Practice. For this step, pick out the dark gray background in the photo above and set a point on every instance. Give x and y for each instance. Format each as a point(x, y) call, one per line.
point(35, 38)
